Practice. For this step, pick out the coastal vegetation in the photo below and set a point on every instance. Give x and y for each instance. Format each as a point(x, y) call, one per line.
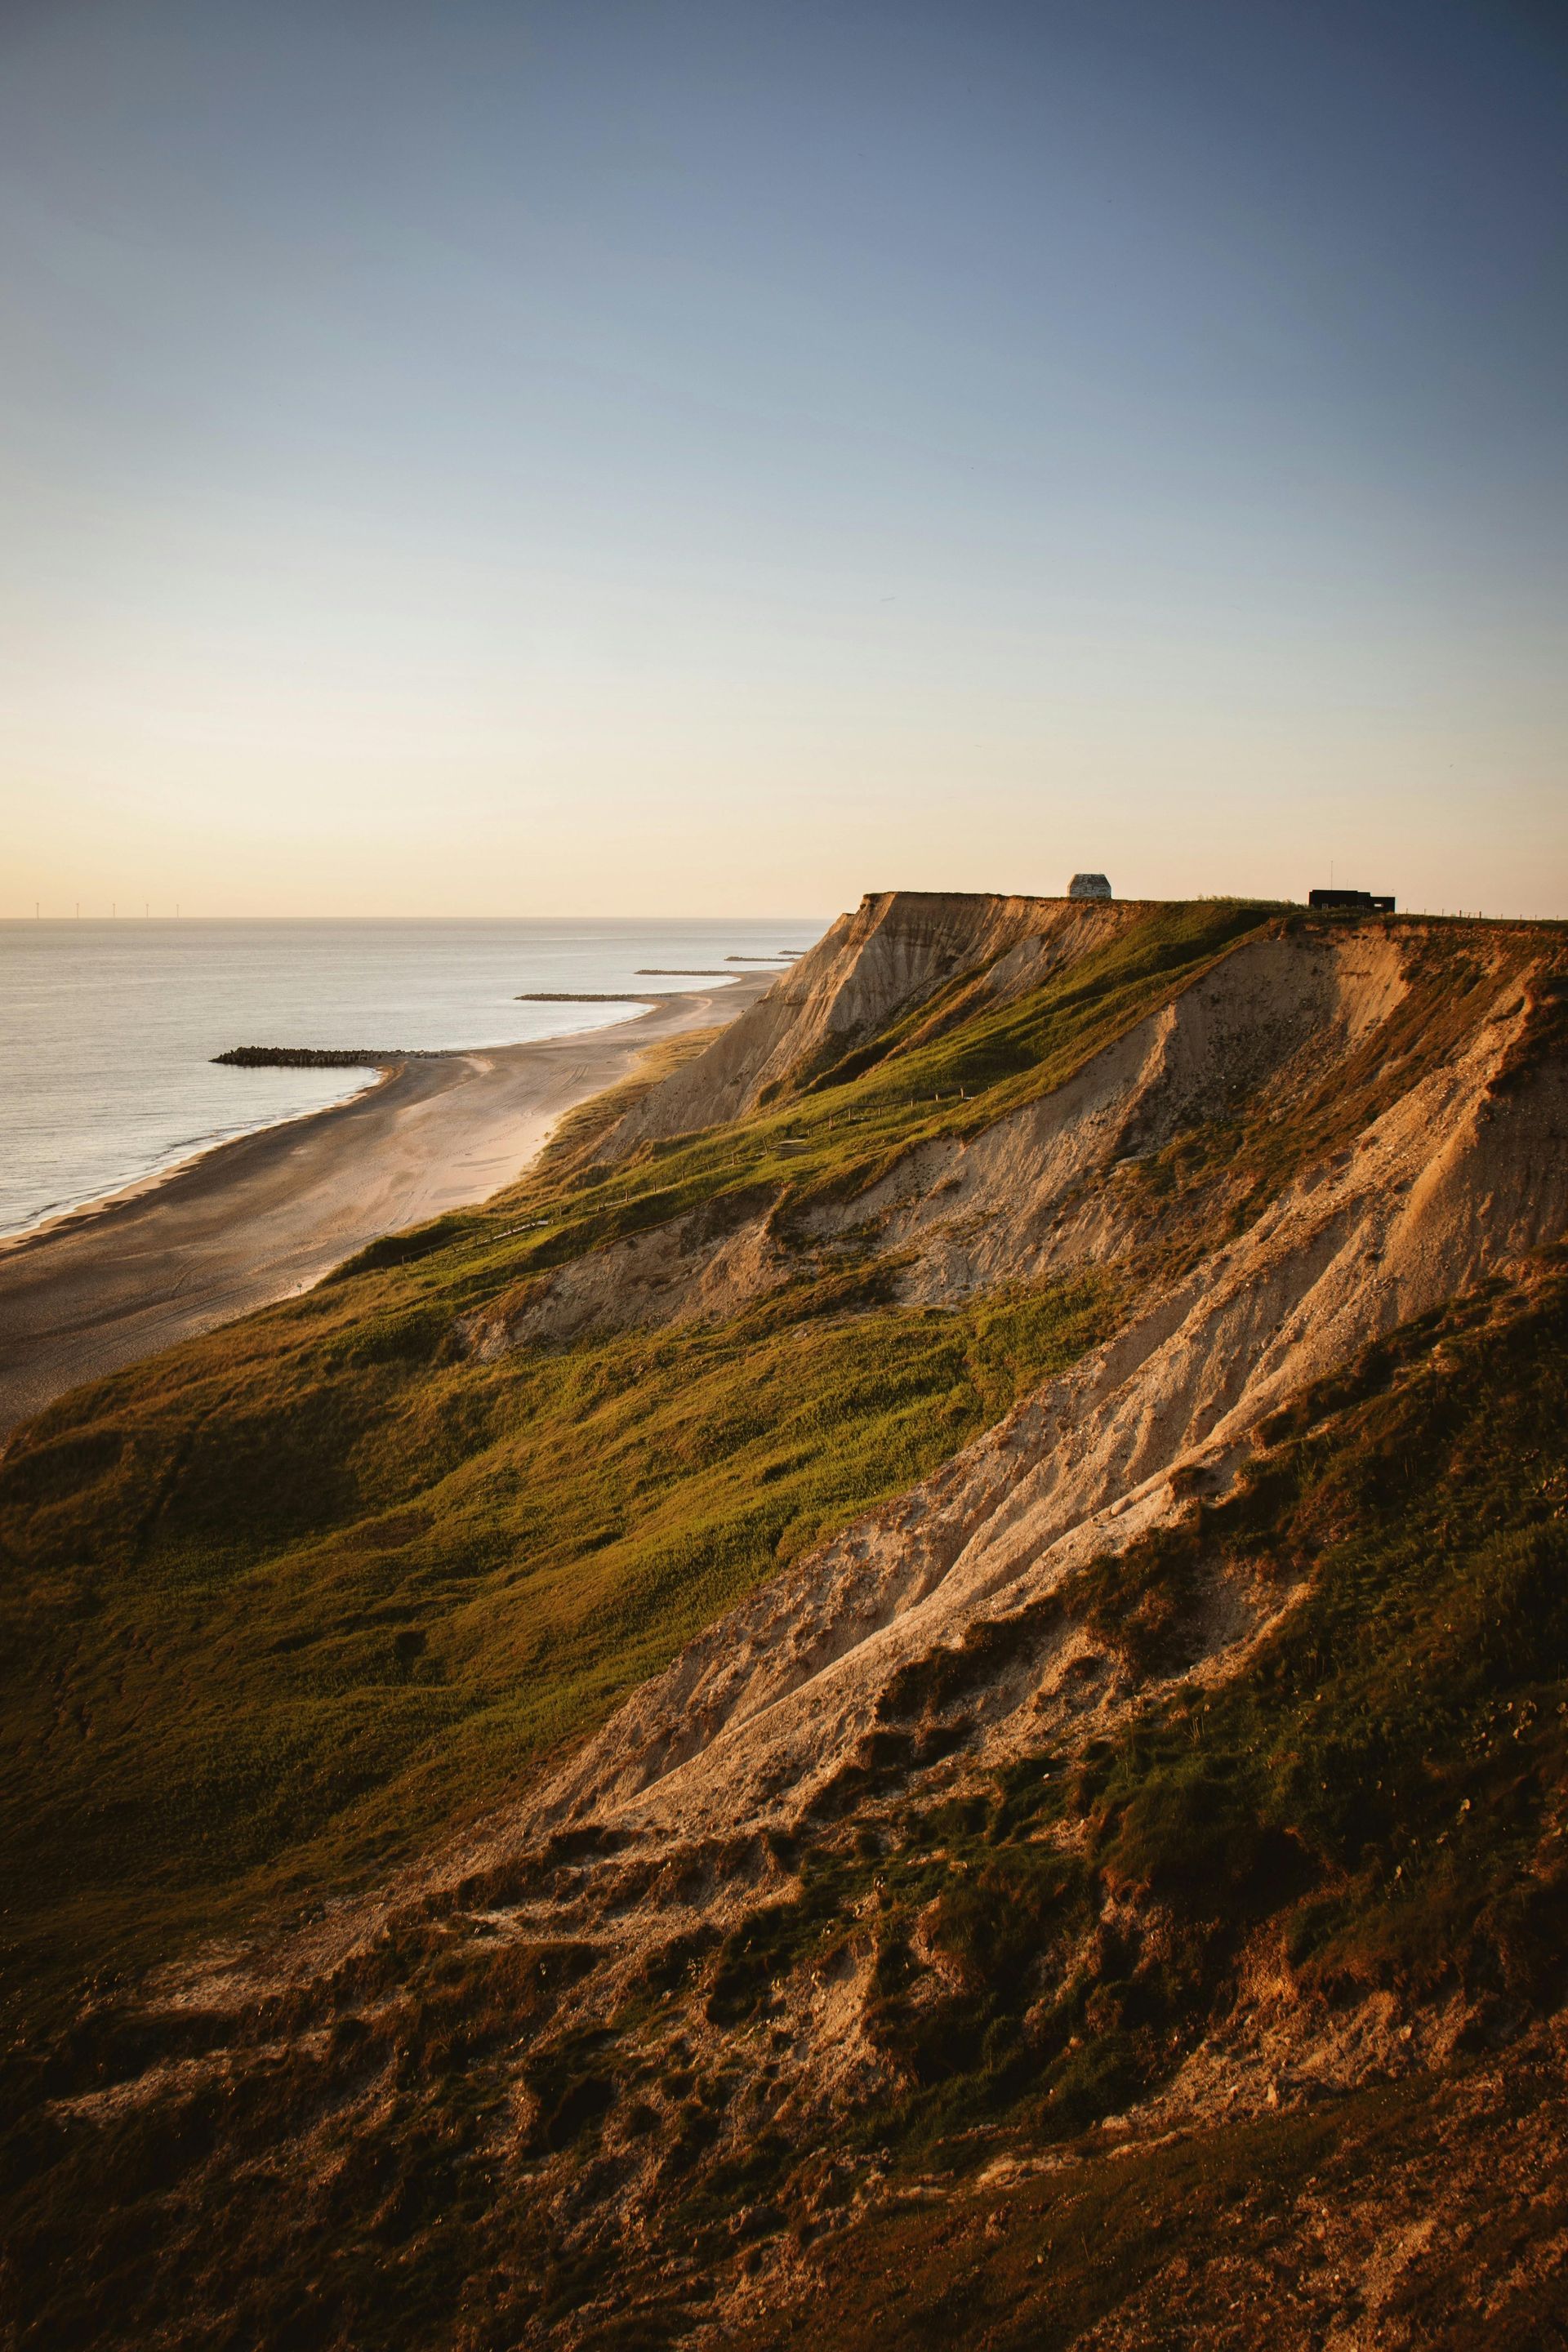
point(282, 1601)
point(299, 1617)
point(1373, 1801)
point(316, 1624)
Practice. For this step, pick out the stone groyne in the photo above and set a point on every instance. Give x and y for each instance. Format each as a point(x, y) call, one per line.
point(322, 1057)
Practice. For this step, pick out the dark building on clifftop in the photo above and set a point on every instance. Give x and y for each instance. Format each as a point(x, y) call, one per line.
point(1353, 902)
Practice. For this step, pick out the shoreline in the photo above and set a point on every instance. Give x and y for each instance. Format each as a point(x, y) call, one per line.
point(263, 1215)
point(383, 1066)
point(135, 1188)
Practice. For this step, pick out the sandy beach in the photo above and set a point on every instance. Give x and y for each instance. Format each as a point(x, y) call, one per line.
point(267, 1214)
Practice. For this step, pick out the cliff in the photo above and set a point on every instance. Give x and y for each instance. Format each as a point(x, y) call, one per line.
point(871, 971)
point(917, 1692)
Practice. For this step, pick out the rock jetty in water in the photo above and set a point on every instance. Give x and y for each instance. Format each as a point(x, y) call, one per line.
point(318, 1058)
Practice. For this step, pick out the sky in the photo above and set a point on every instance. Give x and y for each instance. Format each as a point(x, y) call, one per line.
point(699, 456)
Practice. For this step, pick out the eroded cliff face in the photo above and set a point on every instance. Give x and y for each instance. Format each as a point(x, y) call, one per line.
point(1272, 1044)
point(871, 968)
point(1463, 1175)
point(718, 2088)
point(705, 1987)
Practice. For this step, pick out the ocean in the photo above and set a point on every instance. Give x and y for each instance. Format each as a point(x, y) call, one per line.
point(108, 1029)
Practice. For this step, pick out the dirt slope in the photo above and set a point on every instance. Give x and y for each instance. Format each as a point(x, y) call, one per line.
point(868, 970)
point(1465, 1175)
point(1073, 1810)
point(1023, 1198)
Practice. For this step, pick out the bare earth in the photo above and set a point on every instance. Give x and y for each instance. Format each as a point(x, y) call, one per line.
point(268, 1215)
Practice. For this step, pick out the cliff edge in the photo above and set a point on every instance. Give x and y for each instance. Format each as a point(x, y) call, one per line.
point(868, 972)
point(921, 1702)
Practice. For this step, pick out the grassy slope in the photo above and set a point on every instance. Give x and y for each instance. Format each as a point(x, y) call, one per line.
point(1377, 1799)
point(1374, 1800)
point(281, 1601)
point(1383, 1778)
point(1247, 2236)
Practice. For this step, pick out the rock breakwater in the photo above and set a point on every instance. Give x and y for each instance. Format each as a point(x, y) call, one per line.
point(322, 1057)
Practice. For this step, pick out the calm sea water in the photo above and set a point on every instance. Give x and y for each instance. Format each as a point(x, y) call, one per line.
point(108, 1029)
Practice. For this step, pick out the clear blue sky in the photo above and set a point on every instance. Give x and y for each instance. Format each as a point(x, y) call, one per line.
point(686, 457)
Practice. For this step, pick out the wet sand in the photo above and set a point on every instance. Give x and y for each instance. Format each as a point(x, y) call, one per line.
point(267, 1214)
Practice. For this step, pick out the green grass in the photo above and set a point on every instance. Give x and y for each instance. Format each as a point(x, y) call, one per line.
point(283, 1602)
point(1383, 1780)
point(279, 1603)
point(318, 1618)
point(1376, 1796)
